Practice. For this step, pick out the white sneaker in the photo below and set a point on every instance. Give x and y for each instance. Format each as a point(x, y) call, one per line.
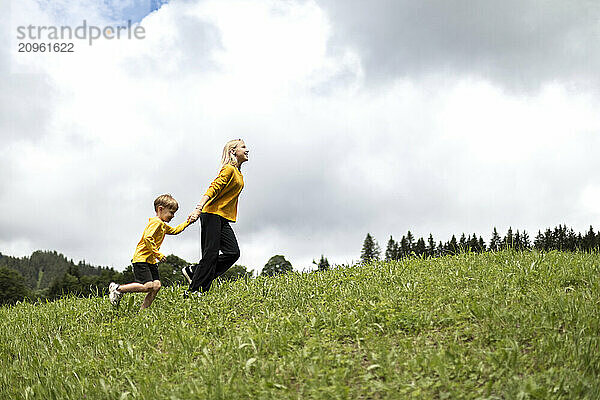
point(186, 273)
point(113, 294)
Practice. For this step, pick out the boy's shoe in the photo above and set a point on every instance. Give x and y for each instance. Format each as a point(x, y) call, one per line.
point(113, 294)
point(188, 273)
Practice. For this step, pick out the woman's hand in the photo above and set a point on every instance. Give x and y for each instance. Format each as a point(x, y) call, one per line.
point(193, 217)
point(196, 214)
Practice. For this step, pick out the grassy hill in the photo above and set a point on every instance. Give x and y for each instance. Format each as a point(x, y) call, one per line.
point(504, 325)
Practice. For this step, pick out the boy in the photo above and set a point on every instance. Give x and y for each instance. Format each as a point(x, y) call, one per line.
point(147, 253)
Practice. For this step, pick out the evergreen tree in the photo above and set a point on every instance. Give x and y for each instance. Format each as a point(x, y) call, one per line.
point(525, 242)
point(517, 241)
point(495, 241)
point(410, 240)
point(462, 243)
point(453, 245)
point(481, 244)
point(508, 241)
point(420, 247)
point(370, 251)
point(559, 237)
point(571, 240)
point(391, 252)
point(589, 240)
point(404, 248)
point(538, 242)
point(323, 264)
point(430, 246)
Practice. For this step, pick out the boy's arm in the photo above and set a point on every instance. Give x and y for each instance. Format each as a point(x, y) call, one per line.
point(149, 239)
point(178, 229)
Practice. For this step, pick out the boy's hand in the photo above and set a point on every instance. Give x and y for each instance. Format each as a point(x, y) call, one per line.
point(193, 217)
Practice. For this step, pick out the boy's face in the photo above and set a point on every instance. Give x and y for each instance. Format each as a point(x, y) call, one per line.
point(165, 214)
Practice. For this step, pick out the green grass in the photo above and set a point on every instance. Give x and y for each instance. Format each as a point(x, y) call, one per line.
point(504, 325)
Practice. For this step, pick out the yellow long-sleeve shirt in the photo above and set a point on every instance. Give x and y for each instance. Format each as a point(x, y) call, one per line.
point(223, 193)
point(147, 249)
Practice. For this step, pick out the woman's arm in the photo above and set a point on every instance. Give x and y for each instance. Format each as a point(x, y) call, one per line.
point(213, 190)
point(194, 215)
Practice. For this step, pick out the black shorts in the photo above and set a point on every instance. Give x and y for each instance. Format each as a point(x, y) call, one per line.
point(145, 272)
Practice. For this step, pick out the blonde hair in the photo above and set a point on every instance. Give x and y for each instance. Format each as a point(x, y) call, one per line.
point(166, 201)
point(227, 157)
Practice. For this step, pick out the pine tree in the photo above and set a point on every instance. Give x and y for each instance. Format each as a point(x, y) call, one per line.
point(481, 244)
point(589, 240)
point(391, 252)
point(495, 241)
point(410, 239)
point(538, 242)
point(453, 245)
point(525, 241)
point(323, 264)
point(370, 251)
point(420, 247)
point(462, 243)
point(404, 248)
point(571, 240)
point(473, 244)
point(517, 241)
point(508, 241)
point(430, 246)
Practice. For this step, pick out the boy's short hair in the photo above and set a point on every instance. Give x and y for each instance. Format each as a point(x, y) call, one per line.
point(166, 201)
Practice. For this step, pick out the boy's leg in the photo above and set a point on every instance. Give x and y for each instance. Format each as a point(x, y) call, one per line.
point(156, 285)
point(134, 287)
point(229, 248)
point(143, 273)
point(210, 238)
point(148, 281)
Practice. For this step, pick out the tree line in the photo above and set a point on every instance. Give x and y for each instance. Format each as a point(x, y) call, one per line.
point(48, 275)
point(560, 238)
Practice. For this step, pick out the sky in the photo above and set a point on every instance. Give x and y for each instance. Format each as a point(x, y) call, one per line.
point(438, 117)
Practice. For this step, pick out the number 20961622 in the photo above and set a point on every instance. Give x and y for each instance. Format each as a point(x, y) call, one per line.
point(26, 47)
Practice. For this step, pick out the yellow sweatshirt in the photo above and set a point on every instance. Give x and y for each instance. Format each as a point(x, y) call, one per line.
point(223, 193)
point(152, 238)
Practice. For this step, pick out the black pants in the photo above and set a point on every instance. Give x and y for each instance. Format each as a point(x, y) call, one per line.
point(216, 235)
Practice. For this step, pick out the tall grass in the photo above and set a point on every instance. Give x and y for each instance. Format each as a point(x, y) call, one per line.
point(505, 325)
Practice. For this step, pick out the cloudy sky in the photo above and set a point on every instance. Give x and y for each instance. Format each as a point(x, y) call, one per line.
point(434, 116)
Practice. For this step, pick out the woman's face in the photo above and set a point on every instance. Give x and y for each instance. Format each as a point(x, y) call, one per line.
point(241, 153)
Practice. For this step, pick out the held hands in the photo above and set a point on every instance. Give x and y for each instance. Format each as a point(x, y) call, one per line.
point(193, 217)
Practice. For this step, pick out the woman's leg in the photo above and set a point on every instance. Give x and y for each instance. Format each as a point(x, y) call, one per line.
point(210, 239)
point(229, 247)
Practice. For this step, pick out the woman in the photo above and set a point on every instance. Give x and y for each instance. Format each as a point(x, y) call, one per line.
point(217, 208)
